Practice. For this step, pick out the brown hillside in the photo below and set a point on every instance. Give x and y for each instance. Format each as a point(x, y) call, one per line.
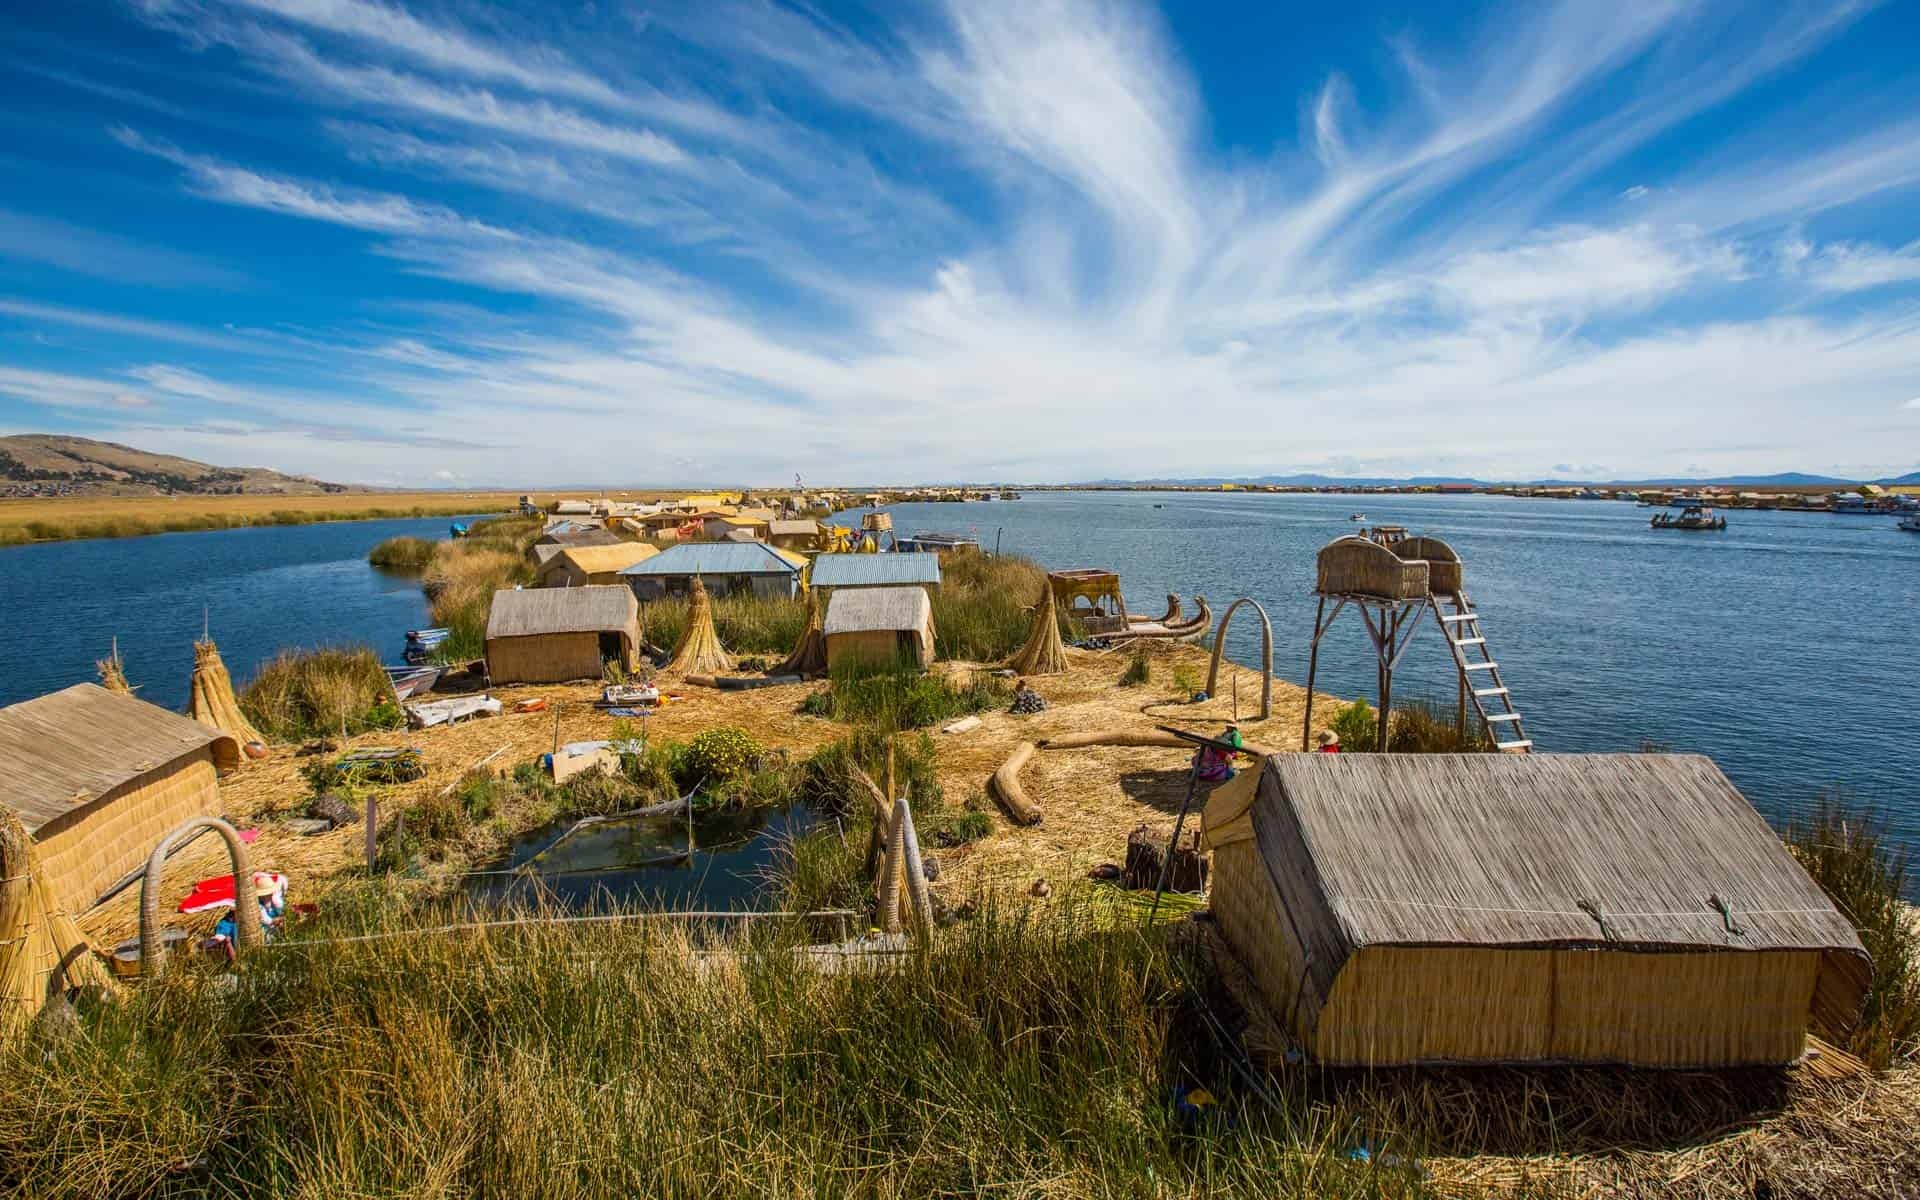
point(39, 464)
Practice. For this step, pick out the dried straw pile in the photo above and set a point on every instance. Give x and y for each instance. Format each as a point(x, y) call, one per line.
point(809, 656)
point(36, 932)
point(113, 674)
point(700, 651)
point(1044, 653)
point(213, 703)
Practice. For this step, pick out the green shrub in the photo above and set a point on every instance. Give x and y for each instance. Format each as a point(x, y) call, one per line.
point(957, 827)
point(718, 754)
point(1139, 671)
point(827, 780)
point(1425, 727)
point(1357, 726)
point(1850, 854)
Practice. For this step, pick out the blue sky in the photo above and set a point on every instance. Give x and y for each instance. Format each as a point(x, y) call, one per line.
point(732, 240)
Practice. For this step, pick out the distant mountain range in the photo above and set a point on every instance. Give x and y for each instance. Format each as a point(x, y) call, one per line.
point(1793, 479)
point(45, 464)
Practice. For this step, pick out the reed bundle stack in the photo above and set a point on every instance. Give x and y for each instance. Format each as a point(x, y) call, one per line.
point(809, 656)
point(38, 936)
point(213, 703)
point(699, 651)
point(113, 673)
point(1044, 653)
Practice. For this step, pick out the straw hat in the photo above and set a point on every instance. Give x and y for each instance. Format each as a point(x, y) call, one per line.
point(264, 884)
point(1327, 738)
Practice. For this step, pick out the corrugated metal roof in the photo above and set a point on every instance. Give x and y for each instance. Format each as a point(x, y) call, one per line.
point(73, 746)
point(533, 611)
point(860, 610)
point(875, 570)
point(717, 558)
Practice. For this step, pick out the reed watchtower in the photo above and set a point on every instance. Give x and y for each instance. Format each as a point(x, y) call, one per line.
point(1393, 580)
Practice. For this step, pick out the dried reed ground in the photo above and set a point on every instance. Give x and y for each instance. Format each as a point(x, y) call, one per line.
point(1819, 1144)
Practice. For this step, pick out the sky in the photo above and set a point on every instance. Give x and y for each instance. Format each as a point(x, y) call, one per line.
point(591, 242)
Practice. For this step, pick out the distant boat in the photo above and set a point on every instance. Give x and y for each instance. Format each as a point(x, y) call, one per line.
point(1693, 517)
point(458, 529)
point(1159, 506)
point(1356, 516)
point(1911, 523)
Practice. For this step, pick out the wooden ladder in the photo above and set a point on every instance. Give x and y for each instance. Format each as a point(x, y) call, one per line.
point(1483, 685)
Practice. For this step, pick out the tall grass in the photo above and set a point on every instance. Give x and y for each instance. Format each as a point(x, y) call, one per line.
point(1847, 850)
point(895, 698)
point(463, 574)
point(1014, 1058)
point(1420, 726)
point(747, 624)
point(980, 608)
point(99, 517)
point(403, 554)
point(310, 693)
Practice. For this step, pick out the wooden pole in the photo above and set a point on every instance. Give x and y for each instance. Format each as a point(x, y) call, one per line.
point(1313, 666)
point(373, 832)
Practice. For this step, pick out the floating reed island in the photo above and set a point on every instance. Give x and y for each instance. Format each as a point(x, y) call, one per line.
point(1662, 996)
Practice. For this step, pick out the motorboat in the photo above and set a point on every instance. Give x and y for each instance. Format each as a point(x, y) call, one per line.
point(1694, 517)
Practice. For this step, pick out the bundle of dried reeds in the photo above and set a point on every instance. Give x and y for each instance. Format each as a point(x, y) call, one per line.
point(699, 651)
point(213, 701)
point(113, 674)
point(809, 656)
point(1044, 653)
point(36, 934)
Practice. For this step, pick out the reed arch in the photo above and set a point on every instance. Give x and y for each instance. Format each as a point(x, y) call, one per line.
point(246, 914)
point(1266, 651)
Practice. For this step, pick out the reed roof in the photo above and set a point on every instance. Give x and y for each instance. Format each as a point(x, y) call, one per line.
point(861, 610)
point(795, 528)
point(71, 747)
point(593, 560)
point(530, 612)
point(1505, 850)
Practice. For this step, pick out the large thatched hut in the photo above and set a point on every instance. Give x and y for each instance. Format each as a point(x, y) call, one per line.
point(585, 566)
point(879, 627)
point(1611, 908)
point(98, 777)
point(550, 635)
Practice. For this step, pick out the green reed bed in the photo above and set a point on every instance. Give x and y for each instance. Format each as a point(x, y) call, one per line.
point(747, 624)
point(902, 697)
point(410, 554)
point(324, 691)
point(980, 609)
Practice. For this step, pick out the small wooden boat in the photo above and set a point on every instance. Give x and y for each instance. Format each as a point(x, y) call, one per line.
point(448, 712)
point(421, 643)
point(410, 681)
point(1693, 517)
point(1356, 516)
point(1910, 523)
point(458, 529)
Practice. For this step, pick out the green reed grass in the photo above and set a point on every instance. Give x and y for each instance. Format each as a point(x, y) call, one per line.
point(311, 693)
point(403, 554)
point(980, 608)
point(903, 697)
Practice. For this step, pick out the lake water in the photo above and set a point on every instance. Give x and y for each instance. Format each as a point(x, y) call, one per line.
point(262, 589)
point(1784, 647)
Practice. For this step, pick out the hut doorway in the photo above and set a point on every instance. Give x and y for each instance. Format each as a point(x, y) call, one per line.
point(610, 648)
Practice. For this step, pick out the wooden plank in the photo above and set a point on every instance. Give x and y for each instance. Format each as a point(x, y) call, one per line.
point(1503, 717)
point(1495, 691)
point(1470, 641)
point(1482, 666)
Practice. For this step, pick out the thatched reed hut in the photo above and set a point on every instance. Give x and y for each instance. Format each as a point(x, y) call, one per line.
point(591, 566)
point(97, 778)
point(551, 635)
point(879, 627)
point(1616, 908)
point(793, 534)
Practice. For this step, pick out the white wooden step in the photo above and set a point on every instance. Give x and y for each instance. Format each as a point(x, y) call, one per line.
point(1503, 717)
point(1499, 691)
point(1461, 617)
point(1485, 666)
point(1470, 641)
point(1514, 746)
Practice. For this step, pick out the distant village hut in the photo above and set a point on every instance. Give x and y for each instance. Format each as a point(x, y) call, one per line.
point(588, 566)
point(98, 777)
point(794, 534)
point(551, 635)
point(1608, 908)
point(724, 568)
point(568, 534)
point(879, 627)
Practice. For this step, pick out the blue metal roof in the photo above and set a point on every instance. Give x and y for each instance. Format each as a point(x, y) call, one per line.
point(715, 558)
point(875, 570)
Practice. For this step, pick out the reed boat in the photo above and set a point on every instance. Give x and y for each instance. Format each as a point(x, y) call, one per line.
point(1174, 631)
point(1695, 517)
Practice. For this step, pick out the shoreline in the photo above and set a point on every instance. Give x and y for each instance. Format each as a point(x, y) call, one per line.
point(37, 522)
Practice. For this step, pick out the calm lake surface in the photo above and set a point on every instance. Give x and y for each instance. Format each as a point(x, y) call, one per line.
point(1786, 647)
point(263, 590)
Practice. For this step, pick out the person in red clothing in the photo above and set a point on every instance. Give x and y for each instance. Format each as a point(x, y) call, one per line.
point(1329, 742)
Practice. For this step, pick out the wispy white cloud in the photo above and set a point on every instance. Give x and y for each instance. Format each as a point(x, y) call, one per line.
point(1852, 267)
